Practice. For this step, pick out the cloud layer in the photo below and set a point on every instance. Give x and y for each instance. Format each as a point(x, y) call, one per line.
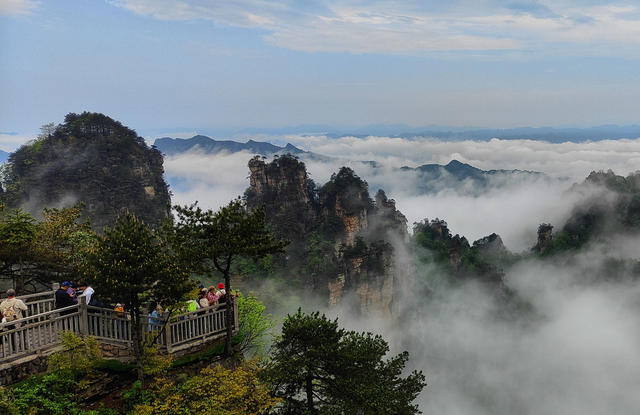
point(416, 27)
point(513, 211)
point(17, 7)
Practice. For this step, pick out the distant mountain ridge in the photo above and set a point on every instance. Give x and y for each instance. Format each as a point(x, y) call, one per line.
point(446, 133)
point(4, 156)
point(464, 177)
point(172, 146)
point(463, 170)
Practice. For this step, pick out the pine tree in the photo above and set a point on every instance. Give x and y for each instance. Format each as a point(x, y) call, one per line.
point(132, 264)
point(319, 368)
point(211, 241)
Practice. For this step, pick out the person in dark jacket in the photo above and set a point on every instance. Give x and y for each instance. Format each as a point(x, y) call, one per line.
point(63, 299)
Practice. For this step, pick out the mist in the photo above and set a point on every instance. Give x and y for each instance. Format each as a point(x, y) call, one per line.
point(575, 349)
point(513, 208)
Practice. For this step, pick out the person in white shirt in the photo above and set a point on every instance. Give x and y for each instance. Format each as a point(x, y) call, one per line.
point(87, 291)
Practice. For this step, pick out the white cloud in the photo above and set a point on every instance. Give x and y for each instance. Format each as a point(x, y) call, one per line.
point(514, 210)
point(10, 142)
point(17, 7)
point(414, 28)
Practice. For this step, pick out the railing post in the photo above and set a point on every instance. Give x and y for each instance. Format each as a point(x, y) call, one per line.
point(167, 332)
point(84, 318)
point(235, 314)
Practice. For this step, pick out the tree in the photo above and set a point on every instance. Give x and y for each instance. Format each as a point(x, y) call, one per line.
point(34, 253)
point(62, 240)
point(319, 368)
point(210, 241)
point(17, 233)
point(131, 263)
point(253, 323)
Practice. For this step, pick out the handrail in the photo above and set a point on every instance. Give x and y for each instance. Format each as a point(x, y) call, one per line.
point(41, 316)
point(29, 296)
point(40, 332)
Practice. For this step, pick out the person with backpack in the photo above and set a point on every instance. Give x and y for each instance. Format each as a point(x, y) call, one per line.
point(12, 307)
point(11, 310)
point(221, 294)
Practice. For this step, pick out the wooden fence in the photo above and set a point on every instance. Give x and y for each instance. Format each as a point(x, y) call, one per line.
point(40, 332)
point(38, 303)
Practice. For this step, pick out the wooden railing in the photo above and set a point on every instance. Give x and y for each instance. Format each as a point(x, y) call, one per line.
point(40, 332)
point(38, 303)
point(36, 333)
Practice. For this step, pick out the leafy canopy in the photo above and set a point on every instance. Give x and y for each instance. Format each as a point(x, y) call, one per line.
point(319, 368)
point(131, 263)
point(216, 390)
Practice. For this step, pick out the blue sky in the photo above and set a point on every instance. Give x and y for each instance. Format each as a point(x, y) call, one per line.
point(168, 64)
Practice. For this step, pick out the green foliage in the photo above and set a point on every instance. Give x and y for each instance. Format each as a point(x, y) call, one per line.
point(318, 368)
point(79, 354)
point(253, 324)
point(208, 241)
point(17, 235)
point(153, 363)
point(49, 394)
point(216, 390)
point(452, 255)
point(132, 264)
point(349, 190)
point(34, 252)
point(136, 395)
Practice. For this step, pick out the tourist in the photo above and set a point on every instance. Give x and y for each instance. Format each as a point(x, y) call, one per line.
point(212, 298)
point(87, 292)
point(12, 307)
point(119, 309)
point(72, 293)
point(192, 305)
point(63, 299)
point(11, 310)
point(221, 293)
point(202, 298)
point(155, 317)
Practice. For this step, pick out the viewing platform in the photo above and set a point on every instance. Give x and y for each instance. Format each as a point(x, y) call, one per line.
point(37, 335)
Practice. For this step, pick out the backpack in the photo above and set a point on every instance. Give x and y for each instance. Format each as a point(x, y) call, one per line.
point(10, 313)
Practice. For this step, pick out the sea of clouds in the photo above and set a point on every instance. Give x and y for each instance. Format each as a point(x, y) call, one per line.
point(513, 211)
point(577, 352)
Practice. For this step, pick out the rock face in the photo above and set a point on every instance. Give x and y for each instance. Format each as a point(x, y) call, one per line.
point(92, 159)
point(610, 205)
point(545, 238)
point(454, 256)
point(340, 238)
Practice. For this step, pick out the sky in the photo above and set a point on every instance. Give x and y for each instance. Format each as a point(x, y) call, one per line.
point(169, 64)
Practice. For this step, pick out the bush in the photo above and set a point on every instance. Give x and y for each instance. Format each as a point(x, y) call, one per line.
point(79, 354)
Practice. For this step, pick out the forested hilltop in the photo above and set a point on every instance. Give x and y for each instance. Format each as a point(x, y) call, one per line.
point(89, 159)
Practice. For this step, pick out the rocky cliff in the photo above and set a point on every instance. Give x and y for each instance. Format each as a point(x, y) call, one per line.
point(92, 159)
point(341, 240)
point(610, 204)
point(454, 258)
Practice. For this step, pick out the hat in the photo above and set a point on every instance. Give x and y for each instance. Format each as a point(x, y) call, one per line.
point(204, 291)
point(221, 286)
point(212, 288)
point(65, 284)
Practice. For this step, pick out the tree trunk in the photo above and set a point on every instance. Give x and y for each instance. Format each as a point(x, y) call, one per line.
point(228, 315)
point(20, 283)
point(309, 390)
point(138, 349)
